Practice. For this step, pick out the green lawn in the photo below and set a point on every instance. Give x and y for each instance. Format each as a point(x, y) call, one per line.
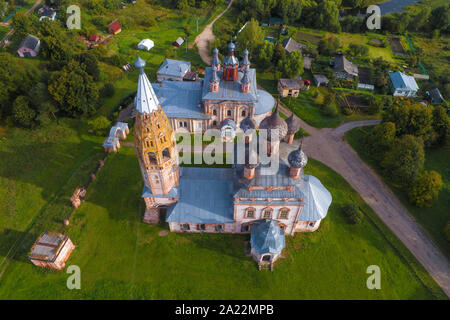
point(122, 258)
point(434, 218)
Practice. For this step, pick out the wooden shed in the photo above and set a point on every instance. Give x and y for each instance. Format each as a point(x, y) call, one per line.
point(115, 27)
point(51, 250)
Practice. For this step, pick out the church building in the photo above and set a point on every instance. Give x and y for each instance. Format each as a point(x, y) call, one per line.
point(227, 95)
point(241, 199)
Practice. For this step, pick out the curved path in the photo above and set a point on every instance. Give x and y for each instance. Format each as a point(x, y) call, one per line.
point(327, 145)
point(207, 36)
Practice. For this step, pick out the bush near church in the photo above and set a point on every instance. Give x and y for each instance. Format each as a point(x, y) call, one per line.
point(352, 213)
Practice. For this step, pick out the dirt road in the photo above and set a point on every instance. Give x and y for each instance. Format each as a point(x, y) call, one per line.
point(206, 36)
point(327, 145)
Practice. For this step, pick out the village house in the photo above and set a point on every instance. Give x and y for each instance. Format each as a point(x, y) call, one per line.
point(436, 96)
point(178, 42)
point(115, 27)
point(289, 87)
point(403, 85)
point(47, 12)
point(320, 80)
point(173, 70)
point(51, 250)
point(343, 68)
point(241, 199)
point(276, 22)
point(146, 44)
point(290, 45)
point(29, 47)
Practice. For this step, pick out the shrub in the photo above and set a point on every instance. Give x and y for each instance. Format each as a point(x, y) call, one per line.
point(108, 90)
point(99, 125)
point(352, 213)
point(22, 113)
point(447, 231)
point(425, 189)
point(347, 111)
point(330, 110)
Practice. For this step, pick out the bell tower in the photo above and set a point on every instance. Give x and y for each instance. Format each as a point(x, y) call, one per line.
point(155, 146)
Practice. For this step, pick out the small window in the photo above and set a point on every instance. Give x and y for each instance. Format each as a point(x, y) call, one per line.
point(148, 145)
point(185, 227)
point(185, 124)
point(284, 213)
point(214, 123)
point(214, 112)
point(250, 214)
point(180, 124)
point(243, 113)
point(229, 113)
point(219, 227)
point(151, 143)
point(267, 258)
point(201, 227)
point(267, 214)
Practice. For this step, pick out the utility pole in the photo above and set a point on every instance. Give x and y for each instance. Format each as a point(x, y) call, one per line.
point(197, 24)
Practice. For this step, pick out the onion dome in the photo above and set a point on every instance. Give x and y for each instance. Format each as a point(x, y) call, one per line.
point(298, 158)
point(231, 46)
point(139, 63)
point(229, 123)
point(251, 159)
point(215, 61)
point(293, 124)
point(215, 78)
point(245, 62)
point(274, 122)
point(247, 124)
point(246, 78)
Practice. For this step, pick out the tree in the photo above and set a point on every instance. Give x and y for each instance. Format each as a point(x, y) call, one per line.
point(99, 125)
point(74, 89)
point(440, 18)
point(279, 53)
point(252, 35)
point(91, 63)
point(414, 119)
point(352, 213)
point(3, 8)
point(292, 65)
point(380, 140)
point(265, 54)
point(54, 42)
point(22, 113)
point(328, 45)
point(420, 20)
point(405, 160)
point(23, 24)
point(440, 125)
point(425, 189)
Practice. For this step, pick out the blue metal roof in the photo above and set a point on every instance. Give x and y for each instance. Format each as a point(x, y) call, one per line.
point(174, 68)
point(205, 196)
point(267, 237)
point(230, 90)
point(180, 99)
point(318, 199)
point(402, 81)
point(265, 102)
point(147, 193)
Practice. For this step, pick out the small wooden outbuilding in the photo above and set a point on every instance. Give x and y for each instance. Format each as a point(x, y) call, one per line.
point(51, 250)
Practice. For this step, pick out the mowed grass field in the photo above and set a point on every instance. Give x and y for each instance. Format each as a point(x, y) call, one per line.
point(122, 258)
point(433, 218)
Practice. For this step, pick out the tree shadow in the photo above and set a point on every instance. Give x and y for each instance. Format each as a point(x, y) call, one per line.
point(16, 245)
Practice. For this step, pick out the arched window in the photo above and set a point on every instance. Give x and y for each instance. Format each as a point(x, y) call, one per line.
point(229, 113)
point(214, 112)
point(243, 113)
point(250, 213)
point(166, 154)
point(185, 227)
point(267, 213)
point(152, 157)
point(214, 123)
point(284, 213)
